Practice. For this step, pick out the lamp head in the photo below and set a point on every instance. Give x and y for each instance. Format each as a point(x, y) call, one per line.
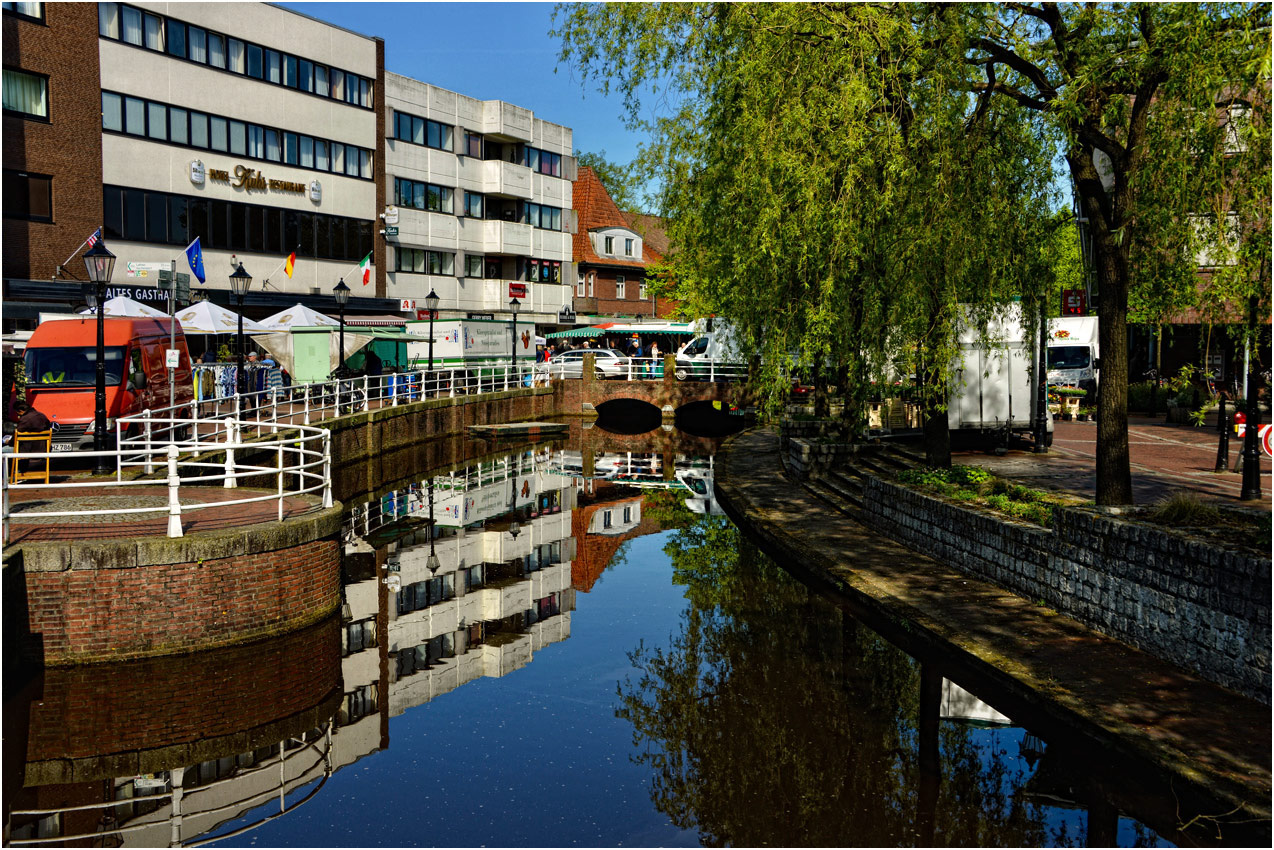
point(514, 304)
point(432, 562)
point(431, 302)
point(240, 281)
point(341, 292)
point(99, 262)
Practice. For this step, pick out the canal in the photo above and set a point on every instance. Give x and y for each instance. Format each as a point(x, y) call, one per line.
point(554, 644)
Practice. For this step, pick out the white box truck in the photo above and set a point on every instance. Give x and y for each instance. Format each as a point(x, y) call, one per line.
point(994, 386)
point(479, 346)
point(1073, 352)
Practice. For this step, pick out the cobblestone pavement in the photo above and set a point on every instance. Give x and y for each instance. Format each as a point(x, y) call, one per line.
point(25, 529)
point(1165, 459)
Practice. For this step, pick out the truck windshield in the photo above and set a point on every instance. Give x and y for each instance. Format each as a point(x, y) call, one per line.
point(1068, 357)
point(72, 367)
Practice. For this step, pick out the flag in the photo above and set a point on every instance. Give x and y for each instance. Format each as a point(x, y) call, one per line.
point(290, 264)
point(366, 268)
point(194, 256)
point(92, 240)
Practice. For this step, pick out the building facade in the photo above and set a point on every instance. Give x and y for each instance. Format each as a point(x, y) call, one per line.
point(612, 253)
point(264, 132)
point(480, 205)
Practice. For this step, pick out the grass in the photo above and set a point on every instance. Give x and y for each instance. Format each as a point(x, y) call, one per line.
point(977, 486)
point(1184, 509)
point(1186, 512)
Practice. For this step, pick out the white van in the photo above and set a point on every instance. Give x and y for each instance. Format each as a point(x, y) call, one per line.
point(1072, 353)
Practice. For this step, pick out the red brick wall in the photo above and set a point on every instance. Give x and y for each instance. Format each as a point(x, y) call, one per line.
point(86, 615)
point(68, 147)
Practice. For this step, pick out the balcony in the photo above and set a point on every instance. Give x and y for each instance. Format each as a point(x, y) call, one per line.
point(505, 119)
point(506, 178)
point(506, 237)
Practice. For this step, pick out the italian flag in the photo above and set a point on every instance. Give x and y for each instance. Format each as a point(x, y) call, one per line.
point(366, 268)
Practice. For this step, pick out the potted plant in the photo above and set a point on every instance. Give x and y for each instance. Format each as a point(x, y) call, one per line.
point(1069, 397)
point(1083, 414)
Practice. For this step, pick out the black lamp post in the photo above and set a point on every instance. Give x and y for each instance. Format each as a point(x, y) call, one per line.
point(100, 263)
point(431, 304)
point(1251, 439)
point(239, 283)
point(341, 293)
point(514, 304)
point(432, 562)
point(514, 528)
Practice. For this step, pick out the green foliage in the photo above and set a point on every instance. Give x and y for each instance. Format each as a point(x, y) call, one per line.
point(622, 182)
point(1184, 509)
point(980, 486)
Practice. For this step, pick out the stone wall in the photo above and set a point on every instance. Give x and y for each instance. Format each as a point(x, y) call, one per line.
point(107, 600)
point(1197, 605)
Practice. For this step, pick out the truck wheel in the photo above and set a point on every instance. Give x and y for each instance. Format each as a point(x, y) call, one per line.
point(680, 373)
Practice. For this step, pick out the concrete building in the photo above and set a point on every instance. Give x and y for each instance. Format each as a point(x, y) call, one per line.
point(480, 204)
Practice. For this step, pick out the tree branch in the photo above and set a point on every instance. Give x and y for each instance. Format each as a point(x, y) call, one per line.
point(1032, 72)
point(1021, 97)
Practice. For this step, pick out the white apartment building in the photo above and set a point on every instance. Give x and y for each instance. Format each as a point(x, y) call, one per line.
point(479, 204)
point(249, 125)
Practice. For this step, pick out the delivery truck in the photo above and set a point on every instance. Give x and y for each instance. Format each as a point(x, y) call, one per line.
point(480, 346)
point(1073, 353)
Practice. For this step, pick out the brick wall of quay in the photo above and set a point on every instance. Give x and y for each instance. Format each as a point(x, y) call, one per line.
point(85, 602)
point(1199, 606)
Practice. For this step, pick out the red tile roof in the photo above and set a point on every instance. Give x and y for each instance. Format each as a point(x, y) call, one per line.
point(595, 208)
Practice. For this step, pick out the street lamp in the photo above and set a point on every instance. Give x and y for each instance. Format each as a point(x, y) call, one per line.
point(514, 304)
point(239, 283)
point(1251, 436)
point(514, 528)
point(100, 263)
point(432, 562)
point(431, 304)
point(341, 292)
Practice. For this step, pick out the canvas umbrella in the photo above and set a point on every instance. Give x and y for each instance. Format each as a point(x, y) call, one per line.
point(297, 316)
point(121, 306)
point(208, 318)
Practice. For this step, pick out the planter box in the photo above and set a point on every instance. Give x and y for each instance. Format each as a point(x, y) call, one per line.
point(1070, 404)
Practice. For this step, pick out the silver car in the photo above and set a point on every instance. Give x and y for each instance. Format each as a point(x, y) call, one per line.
point(570, 364)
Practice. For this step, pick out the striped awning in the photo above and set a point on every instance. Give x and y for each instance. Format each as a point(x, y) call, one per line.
point(376, 321)
point(617, 329)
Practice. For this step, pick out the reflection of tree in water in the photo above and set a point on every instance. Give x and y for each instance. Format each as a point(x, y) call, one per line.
point(774, 718)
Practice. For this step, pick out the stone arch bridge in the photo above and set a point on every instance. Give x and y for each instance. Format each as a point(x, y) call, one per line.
point(584, 395)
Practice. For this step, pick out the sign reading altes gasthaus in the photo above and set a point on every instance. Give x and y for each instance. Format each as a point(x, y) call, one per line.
point(248, 179)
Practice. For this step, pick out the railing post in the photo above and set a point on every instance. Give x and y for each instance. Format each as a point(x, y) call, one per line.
point(274, 411)
point(150, 466)
point(367, 393)
point(280, 482)
point(452, 393)
point(327, 469)
point(232, 434)
point(306, 418)
point(119, 464)
point(174, 503)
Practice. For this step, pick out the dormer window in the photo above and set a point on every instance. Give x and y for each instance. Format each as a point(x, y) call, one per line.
point(628, 247)
point(610, 245)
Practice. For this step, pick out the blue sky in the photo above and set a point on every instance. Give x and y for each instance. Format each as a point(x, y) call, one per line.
point(491, 51)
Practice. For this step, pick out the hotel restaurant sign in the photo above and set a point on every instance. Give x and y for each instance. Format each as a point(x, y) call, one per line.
point(250, 179)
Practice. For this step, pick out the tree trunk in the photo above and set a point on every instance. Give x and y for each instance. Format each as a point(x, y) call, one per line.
point(937, 438)
point(822, 405)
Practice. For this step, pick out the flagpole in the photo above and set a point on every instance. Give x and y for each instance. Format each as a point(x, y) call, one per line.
point(76, 251)
point(266, 280)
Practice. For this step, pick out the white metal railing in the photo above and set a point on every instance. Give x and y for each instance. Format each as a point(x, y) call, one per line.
point(643, 369)
point(311, 761)
point(302, 463)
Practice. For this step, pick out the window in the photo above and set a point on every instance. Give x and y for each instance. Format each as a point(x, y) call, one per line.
point(320, 80)
point(220, 134)
point(579, 287)
point(628, 247)
point(28, 196)
point(421, 131)
point(1238, 120)
point(134, 116)
point(1216, 249)
point(473, 205)
point(157, 121)
point(107, 19)
point(542, 162)
point(592, 277)
point(473, 144)
point(26, 94)
point(628, 515)
point(237, 61)
point(642, 292)
point(424, 262)
point(131, 30)
point(112, 112)
point(238, 138)
point(198, 45)
point(35, 11)
point(619, 286)
point(154, 32)
point(606, 519)
point(422, 196)
point(177, 39)
point(473, 265)
point(216, 50)
point(199, 129)
point(256, 62)
point(273, 67)
point(610, 244)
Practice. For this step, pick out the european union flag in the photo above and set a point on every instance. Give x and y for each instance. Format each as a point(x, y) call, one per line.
point(194, 256)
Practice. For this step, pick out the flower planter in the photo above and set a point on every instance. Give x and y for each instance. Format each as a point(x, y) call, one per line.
point(1055, 409)
point(1070, 404)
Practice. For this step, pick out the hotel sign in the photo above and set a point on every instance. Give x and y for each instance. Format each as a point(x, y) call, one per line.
point(250, 179)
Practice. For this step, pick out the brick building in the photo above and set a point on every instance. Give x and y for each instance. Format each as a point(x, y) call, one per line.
point(613, 250)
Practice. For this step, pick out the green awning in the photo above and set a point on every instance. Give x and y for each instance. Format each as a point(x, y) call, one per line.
point(617, 329)
point(577, 333)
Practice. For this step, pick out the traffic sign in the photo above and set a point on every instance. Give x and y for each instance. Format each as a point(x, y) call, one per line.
point(144, 269)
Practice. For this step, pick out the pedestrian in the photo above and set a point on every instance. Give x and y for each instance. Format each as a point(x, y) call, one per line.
point(30, 420)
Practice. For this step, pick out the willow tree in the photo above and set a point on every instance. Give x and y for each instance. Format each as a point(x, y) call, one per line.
point(811, 152)
point(1133, 89)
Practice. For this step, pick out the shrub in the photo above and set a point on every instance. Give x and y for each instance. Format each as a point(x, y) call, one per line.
point(969, 475)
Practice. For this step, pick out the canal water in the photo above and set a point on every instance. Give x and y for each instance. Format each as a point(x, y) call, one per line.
point(558, 644)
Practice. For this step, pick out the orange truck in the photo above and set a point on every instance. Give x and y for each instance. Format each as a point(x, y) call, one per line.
point(61, 373)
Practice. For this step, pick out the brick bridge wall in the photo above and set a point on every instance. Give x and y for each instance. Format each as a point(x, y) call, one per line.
point(1199, 606)
point(583, 396)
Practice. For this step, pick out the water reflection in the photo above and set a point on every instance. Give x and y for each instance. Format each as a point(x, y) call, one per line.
point(713, 700)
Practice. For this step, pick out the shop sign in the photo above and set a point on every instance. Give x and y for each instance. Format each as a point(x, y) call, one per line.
point(423, 315)
point(1074, 302)
point(391, 215)
point(197, 172)
point(517, 290)
point(138, 293)
point(480, 315)
point(406, 305)
point(316, 191)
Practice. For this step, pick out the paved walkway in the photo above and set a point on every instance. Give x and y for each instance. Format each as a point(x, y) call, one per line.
point(26, 529)
point(1165, 459)
point(1080, 681)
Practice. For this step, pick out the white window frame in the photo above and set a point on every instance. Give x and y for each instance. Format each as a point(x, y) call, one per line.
point(628, 247)
point(642, 292)
point(620, 286)
point(609, 242)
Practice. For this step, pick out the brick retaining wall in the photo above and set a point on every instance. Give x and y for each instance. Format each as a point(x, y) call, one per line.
point(109, 600)
point(1200, 606)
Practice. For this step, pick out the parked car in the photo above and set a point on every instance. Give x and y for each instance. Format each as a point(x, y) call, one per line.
point(570, 364)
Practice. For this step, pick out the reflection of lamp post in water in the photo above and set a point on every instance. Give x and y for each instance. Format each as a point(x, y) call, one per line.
point(514, 528)
point(432, 563)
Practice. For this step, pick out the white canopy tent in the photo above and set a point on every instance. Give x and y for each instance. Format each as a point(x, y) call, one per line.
point(297, 316)
point(282, 347)
point(208, 318)
point(121, 306)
